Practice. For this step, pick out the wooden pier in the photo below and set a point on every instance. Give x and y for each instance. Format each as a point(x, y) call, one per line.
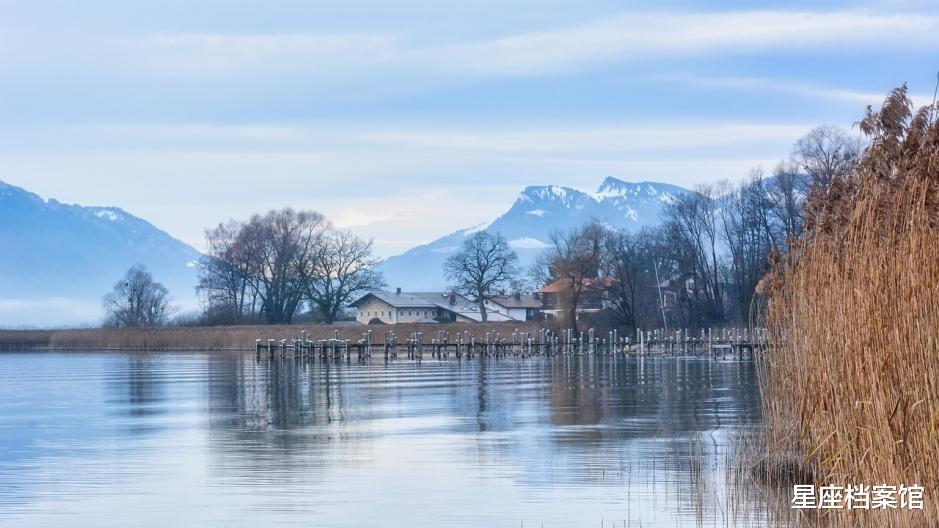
point(713, 343)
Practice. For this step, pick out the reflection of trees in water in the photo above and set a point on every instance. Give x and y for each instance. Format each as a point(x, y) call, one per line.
point(139, 386)
point(660, 428)
point(139, 382)
point(264, 404)
point(671, 395)
point(295, 418)
point(593, 421)
point(483, 395)
point(276, 422)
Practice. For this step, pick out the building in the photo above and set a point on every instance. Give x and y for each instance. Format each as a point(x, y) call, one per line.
point(593, 296)
point(420, 307)
point(519, 307)
point(675, 287)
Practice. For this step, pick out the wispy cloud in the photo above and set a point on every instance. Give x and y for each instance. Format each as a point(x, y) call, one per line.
point(644, 36)
point(622, 139)
point(789, 86)
point(400, 184)
point(634, 36)
point(389, 123)
point(225, 53)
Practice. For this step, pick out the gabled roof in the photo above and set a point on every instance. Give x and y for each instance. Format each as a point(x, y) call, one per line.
point(461, 305)
point(398, 300)
point(590, 283)
point(522, 301)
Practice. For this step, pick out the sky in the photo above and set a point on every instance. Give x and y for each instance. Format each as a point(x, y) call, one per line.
point(407, 120)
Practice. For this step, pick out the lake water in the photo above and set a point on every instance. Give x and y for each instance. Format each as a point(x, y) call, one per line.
point(221, 439)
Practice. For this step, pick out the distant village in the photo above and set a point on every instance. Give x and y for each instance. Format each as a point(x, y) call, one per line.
point(701, 266)
point(384, 307)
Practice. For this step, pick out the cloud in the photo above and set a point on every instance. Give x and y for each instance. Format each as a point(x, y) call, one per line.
point(328, 144)
point(805, 89)
point(580, 140)
point(202, 54)
point(401, 184)
point(643, 36)
point(632, 36)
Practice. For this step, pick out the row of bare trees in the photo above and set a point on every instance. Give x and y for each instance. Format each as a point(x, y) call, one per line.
point(701, 266)
point(272, 267)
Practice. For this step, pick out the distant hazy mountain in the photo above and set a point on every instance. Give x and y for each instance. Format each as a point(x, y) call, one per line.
point(527, 225)
point(55, 256)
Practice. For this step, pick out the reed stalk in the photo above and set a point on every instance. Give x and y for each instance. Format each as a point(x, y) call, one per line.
point(851, 385)
point(237, 337)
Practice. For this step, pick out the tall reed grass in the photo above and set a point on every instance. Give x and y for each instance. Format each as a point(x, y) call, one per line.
point(237, 337)
point(851, 387)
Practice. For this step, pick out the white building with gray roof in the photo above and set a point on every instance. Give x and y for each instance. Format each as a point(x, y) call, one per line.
point(420, 307)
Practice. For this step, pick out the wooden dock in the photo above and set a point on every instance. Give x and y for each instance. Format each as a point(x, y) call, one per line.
point(717, 344)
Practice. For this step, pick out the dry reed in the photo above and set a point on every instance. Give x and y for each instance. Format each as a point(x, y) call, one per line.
point(235, 337)
point(850, 388)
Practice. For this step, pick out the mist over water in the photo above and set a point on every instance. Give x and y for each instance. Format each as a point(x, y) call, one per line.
point(196, 439)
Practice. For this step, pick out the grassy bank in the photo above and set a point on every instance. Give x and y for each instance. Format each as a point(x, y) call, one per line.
point(231, 337)
point(851, 394)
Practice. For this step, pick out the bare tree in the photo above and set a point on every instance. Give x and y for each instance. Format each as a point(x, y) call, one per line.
point(485, 264)
point(787, 196)
point(225, 276)
point(279, 245)
point(137, 300)
point(538, 273)
point(692, 221)
point(342, 267)
point(574, 257)
point(626, 260)
point(825, 153)
point(751, 232)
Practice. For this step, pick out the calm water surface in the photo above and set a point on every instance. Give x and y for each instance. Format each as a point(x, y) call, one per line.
point(200, 439)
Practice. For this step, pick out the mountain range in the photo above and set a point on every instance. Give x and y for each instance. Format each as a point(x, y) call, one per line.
point(57, 260)
point(528, 224)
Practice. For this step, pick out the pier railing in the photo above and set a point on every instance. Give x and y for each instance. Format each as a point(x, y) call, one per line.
point(712, 343)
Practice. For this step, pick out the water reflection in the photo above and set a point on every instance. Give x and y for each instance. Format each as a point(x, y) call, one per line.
point(222, 438)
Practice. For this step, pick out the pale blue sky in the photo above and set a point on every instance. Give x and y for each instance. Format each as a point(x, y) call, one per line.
point(408, 120)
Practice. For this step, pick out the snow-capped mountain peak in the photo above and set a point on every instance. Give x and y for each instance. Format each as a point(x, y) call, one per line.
point(552, 196)
point(527, 225)
point(614, 189)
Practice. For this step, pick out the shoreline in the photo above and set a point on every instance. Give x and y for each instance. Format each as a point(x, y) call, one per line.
point(232, 338)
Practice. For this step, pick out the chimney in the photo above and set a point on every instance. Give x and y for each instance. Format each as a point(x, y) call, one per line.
point(398, 291)
point(518, 296)
point(452, 298)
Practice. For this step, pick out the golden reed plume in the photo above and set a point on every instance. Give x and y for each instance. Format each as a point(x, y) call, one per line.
point(851, 386)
